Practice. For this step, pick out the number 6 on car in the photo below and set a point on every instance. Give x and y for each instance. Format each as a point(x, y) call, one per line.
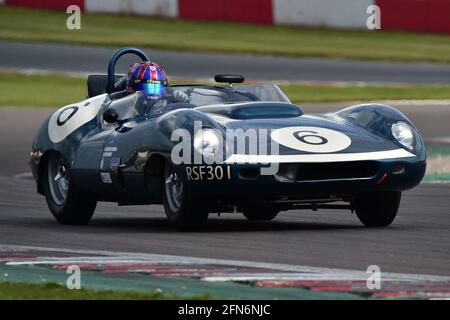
point(311, 139)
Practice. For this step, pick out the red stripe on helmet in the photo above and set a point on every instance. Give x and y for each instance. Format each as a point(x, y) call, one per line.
point(142, 72)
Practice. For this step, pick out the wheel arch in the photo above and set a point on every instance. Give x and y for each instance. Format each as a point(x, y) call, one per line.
point(154, 176)
point(373, 116)
point(377, 118)
point(41, 169)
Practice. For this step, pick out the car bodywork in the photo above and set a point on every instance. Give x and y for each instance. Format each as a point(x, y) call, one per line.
point(123, 162)
point(123, 151)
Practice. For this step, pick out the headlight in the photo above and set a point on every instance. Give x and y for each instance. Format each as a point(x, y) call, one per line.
point(208, 143)
point(403, 133)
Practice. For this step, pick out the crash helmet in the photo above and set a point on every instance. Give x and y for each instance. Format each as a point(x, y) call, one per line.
point(147, 77)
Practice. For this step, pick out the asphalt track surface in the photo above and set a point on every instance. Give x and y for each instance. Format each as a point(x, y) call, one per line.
point(417, 242)
point(91, 59)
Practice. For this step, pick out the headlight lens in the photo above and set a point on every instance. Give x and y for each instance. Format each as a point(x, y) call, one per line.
point(403, 133)
point(208, 143)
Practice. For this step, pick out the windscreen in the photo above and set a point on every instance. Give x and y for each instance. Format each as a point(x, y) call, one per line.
point(207, 95)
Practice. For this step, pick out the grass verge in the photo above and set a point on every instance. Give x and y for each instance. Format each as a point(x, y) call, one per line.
point(25, 90)
point(47, 26)
point(331, 93)
point(50, 291)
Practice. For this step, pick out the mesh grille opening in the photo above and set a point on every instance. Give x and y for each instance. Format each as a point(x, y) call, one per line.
point(327, 171)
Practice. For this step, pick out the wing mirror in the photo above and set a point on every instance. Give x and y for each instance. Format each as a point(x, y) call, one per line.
point(110, 115)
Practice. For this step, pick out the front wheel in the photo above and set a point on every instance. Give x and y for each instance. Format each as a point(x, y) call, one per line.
point(183, 209)
point(377, 209)
point(68, 204)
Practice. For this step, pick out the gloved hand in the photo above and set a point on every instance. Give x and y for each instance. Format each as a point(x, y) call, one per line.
point(180, 96)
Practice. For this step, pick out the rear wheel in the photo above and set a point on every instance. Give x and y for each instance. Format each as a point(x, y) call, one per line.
point(68, 204)
point(259, 213)
point(377, 209)
point(183, 209)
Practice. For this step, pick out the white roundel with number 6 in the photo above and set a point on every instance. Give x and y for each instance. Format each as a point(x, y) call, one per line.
point(311, 139)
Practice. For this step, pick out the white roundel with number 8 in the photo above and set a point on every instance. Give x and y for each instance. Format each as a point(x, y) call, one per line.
point(311, 139)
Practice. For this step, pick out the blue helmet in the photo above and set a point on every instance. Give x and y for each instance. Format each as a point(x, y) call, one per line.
point(147, 77)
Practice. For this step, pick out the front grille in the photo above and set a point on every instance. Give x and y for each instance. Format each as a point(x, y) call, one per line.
point(326, 171)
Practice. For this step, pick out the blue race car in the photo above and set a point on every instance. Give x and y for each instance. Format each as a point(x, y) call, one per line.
point(228, 147)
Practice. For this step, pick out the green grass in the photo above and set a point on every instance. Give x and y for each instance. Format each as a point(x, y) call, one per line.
point(35, 25)
point(25, 90)
point(15, 291)
point(22, 90)
point(325, 93)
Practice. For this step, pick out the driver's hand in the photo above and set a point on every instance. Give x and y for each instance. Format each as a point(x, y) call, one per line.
point(180, 96)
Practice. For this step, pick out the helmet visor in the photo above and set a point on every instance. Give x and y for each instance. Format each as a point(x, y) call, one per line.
point(156, 89)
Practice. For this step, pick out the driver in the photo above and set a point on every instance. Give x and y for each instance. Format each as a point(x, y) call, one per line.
point(149, 80)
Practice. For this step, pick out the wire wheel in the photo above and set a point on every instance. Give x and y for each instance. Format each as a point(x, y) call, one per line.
point(174, 188)
point(183, 208)
point(58, 178)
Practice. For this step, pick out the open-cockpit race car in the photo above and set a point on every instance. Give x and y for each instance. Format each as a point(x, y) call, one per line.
point(228, 147)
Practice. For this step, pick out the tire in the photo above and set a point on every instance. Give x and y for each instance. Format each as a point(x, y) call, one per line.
point(260, 213)
point(68, 204)
point(183, 210)
point(377, 209)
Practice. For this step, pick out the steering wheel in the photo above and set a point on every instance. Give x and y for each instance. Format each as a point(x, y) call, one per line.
point(112, 64)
